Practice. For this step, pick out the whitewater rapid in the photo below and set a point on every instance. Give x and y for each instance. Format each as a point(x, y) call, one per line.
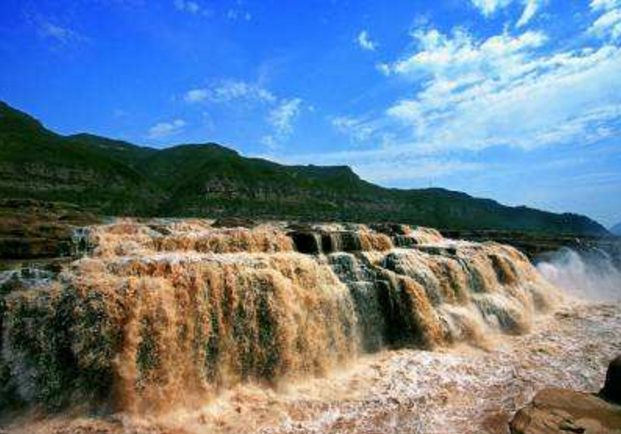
point(170, 311)
point(458, 390)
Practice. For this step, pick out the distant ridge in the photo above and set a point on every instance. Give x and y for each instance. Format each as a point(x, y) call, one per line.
point(113, 177)
point(616, 229)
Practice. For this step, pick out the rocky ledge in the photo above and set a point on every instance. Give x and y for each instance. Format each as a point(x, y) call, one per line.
point(538, 245)
point(35, 231)
point(562, 411)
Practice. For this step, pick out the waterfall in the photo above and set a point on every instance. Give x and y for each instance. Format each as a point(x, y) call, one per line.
point(163, 313)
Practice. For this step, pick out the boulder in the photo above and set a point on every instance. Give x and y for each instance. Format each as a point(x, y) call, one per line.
point(612, 387)
point(562, 411)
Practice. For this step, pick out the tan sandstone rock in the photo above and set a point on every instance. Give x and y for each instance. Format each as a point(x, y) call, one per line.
point(556, 411)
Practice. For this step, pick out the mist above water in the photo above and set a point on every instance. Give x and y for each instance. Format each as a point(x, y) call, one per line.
point(591, 275)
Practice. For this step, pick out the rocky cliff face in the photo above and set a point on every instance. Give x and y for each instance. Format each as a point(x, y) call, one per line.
point(38, 231)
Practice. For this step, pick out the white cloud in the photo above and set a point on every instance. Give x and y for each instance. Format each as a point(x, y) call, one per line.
point(464, 59)
point(281, 119)
point(365, 42)
point(187, 6)
point(608, 24)
point(192, 7)
point(283, 116)
point(164, 130)
point(531, 7)
point(489, 7)
point(604, 5)
point(280, 114)
point(229, 91)
point(238, 14)
point(501, 91)
point(270, 142)
point(357, 129)
point(196, 95)
point(56, 33)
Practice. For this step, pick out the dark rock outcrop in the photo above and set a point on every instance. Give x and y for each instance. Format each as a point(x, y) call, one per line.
point(318, 241)
point(612, 387)
point(307, 242)
point(235, 222)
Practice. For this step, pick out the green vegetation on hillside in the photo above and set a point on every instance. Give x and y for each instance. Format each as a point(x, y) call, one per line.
point(118, 178)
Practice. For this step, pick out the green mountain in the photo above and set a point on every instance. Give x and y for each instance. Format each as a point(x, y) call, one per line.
point(113, 177)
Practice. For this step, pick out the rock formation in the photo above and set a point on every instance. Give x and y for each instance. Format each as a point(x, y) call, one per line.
point(562, 411)
point(612, 387)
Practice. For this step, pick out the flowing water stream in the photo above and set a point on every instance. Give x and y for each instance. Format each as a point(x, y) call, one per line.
point(181, 327)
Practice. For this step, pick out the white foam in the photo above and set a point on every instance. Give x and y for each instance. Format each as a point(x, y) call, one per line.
point(587, 276)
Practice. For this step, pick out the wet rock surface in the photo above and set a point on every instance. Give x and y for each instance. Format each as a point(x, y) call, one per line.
point(38, 231)
point(612, 387)
point(557, 411)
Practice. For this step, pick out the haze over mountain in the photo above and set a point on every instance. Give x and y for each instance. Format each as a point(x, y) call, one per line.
point(118, 178)
point(616, 229)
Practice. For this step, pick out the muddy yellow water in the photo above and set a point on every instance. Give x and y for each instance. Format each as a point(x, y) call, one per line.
point(181, 327)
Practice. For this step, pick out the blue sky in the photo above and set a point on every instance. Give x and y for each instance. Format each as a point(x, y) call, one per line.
point(516, 100)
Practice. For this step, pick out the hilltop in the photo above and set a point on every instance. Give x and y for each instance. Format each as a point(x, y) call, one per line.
point(113, 177)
